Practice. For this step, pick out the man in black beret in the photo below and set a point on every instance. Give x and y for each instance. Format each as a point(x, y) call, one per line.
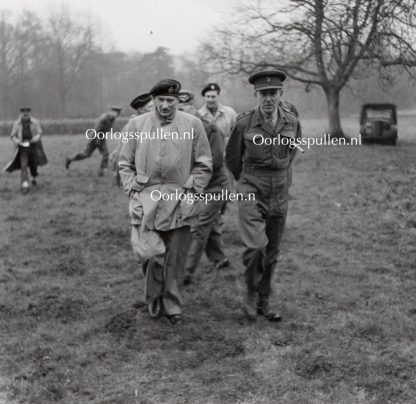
point(161, 170)
point(222, 115)
point(259, 159)
point(97, 140)
point(26, 135)
point(141, 104)
point(141, 101)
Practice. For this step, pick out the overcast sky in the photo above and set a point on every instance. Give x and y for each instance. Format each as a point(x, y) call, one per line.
point(142, 25)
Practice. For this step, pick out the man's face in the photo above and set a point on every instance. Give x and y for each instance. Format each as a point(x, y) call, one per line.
point(211, 99)
point(25, 114)
point(268, 100)
point(114, 114)
point(149, 106)
point(165, 104)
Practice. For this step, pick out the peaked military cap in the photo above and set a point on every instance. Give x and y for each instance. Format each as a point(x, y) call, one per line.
point(166, 87)
point(23, 109)
point(267, 79)
point(211, 87)
point(141, 100)
point(186, 96)
point(117, 109)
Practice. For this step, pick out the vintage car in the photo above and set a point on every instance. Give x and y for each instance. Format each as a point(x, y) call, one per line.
point(378, 123)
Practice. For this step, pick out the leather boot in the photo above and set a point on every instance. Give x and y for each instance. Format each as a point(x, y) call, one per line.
point(249, 306)
point(155, 307)
point(263, 309)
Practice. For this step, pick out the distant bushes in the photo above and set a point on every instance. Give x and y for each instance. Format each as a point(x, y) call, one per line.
point(63, 126)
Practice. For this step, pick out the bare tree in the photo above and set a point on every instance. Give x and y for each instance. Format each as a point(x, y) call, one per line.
point(7, 62)
point(321, 43)
point(26, 36)
point(72, 45)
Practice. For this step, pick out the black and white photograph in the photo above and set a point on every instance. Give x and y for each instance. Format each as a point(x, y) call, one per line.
point(208, 202)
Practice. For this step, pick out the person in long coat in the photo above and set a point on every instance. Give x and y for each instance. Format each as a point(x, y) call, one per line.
point(165, 163)
point(26, 135)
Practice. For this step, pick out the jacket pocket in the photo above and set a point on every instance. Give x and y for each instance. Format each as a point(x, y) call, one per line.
point(256, 150)
point(188, 206)
point(287, 137)
point(136, 208)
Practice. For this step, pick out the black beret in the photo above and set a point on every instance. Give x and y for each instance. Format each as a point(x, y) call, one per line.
point(141, 100)
point(168, 87)
point(186, 96)
point(211, 87)
point(117, 109)
point(267, 79)
point(23, 109)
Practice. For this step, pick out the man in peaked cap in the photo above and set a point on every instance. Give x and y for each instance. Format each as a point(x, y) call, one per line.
point(26, 135)
point(141, 104)
point(102, 126)
point(186, 97)
point(260, 162)
point(160, 175)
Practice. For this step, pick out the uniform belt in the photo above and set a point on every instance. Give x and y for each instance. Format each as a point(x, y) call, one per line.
point(259, 170)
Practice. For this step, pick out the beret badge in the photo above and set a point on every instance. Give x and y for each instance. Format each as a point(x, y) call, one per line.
point(268, 80)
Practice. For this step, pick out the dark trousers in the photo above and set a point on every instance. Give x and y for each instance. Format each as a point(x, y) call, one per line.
point(28, 159)
point(164, 272)
point(260, 260)
point(261, 224)
point(206, 235)
point(101, 145)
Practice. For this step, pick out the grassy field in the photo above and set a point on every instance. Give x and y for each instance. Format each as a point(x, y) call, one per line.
point(73, 328)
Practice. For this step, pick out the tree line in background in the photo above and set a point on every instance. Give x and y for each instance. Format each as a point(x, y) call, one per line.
point(56, 66)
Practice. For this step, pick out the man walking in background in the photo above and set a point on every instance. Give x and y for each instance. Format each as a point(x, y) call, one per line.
point(222, 115)
point(261, 168)
point(206, 230)
point(160, 174)
point(103, 125)
point(26, 134)
point(213, 111)
point(141, 104)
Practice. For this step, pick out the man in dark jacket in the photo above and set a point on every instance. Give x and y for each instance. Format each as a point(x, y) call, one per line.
point(102, 126)
point(141, 104)
point(207, 228)
point(259, 155)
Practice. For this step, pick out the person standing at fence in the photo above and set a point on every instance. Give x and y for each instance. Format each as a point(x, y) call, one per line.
point(26, 135)
point(97, 140)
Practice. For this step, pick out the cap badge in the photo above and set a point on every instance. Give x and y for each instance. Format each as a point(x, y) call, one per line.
point(170, 90)
point(268, 80)
point(212, 87)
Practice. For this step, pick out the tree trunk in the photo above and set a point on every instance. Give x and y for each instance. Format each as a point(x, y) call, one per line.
point(332, 98)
